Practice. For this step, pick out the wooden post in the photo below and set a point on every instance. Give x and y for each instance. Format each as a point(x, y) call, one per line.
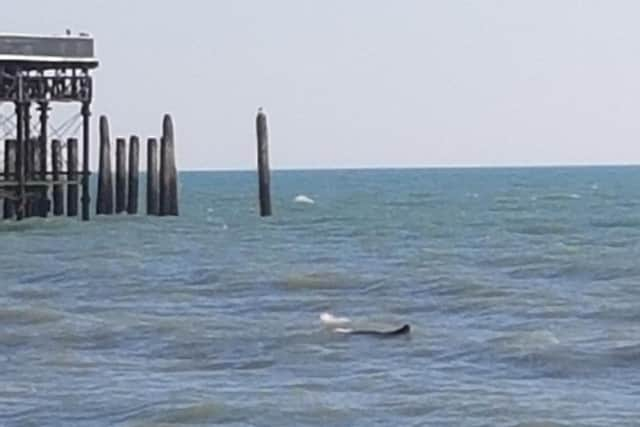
point(86, 173)
point(35, 204)
point(121, 175)
point(28, 142)
point(34, 158)
point(44, 116)
point(39, 204)
point(72, 169)
point(263, 164)
point(20, 153)
point(134, 166)
point(104, 205)
point(153, 180)
point(58, 191)
point(9, 209)
point(42, 142)
point(31, 205)
point(168, 172)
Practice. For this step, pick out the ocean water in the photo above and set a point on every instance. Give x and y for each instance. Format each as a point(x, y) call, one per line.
point(521, 287)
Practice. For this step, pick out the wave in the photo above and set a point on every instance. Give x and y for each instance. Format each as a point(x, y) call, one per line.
point(559, 196)
point(629, 222)
point(314, 280)
point(301, 198)
point(191, 414)
point(540, 229)
point(540, 424)
point(416, 199)
point(528, 341)
point(625, 355)
point(330, 319)
point(518, 260)
point(509, 208)
point(540, 352)
point(28, 315)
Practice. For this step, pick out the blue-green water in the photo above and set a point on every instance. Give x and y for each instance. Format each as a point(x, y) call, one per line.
point(521, 285)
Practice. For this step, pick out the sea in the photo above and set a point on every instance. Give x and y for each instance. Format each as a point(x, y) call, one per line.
point(521, 286)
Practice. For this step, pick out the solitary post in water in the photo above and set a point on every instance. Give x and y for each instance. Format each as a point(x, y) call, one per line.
point(263, 164)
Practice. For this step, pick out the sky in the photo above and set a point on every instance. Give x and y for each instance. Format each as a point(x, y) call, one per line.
point(363, 83)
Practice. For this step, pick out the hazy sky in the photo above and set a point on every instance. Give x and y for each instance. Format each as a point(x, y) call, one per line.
point(364, 82)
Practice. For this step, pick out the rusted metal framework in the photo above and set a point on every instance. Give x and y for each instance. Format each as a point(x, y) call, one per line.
point(38, 71)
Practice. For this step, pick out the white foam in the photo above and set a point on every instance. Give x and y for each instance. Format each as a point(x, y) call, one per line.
point(343, 330)
point(301, 198)
point(330, 319)
point(542, 338)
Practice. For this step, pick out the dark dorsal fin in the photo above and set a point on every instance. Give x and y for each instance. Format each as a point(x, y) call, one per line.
point(405, 329)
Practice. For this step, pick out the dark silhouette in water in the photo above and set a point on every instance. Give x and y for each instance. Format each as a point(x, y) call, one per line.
point(404, 330)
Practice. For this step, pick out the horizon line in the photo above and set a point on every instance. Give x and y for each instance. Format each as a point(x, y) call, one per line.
point(404, 167)
point(416, 167)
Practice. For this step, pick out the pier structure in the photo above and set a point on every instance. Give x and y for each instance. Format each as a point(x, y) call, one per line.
point(37, 168)
point(37, 72)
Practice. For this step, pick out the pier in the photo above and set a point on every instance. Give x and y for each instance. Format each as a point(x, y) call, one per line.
point(36, 74)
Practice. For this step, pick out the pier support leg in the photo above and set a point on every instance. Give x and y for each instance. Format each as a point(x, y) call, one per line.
point(153, 180)
point(31, 202)
point(20, 157)
point(44, 118)
point(26, 133)
point(9, 209)
point(58, 191)
point(86, 173)
point(168, 171)
point(39, 202)
point(104, 205)
point(121, 175)
point(72, 168)
point(43, 205)
point(263, 164)
point(134, 166)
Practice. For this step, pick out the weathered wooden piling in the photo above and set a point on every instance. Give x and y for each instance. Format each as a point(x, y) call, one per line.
point(58, 190)
point(134, 169)
point(86, 173)
point(72, 169)
point(168, 172)
point(9, 208)
point(26, 125)
point(44, 205)
point(43, 107)
point(20, 158)
point(40, 202)
point(263, 164)
point(121, 175)
point(104, 204)
point(34, 159)
point(30, 165)
point(153, 179)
